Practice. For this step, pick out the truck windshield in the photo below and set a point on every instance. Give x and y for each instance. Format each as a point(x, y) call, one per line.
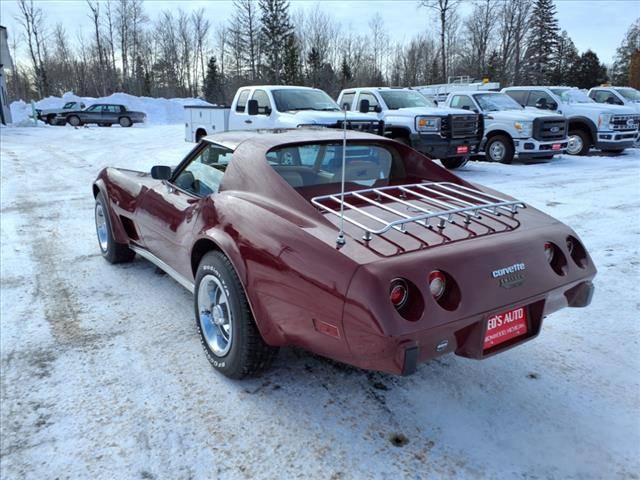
point(396, 99)
point(494, 102)
point(292, 99)
point(630, 94)
point(572, 95)
point(321, 164)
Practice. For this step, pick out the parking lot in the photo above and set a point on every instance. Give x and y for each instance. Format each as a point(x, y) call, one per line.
point(103, 374)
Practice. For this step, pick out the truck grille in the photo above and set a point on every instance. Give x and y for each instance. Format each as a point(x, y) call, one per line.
point(549, 129)
point(624, 122)
point(459, 126)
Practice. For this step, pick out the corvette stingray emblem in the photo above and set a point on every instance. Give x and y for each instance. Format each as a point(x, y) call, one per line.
point(511, 276)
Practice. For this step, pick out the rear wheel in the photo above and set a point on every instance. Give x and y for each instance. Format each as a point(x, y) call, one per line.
point(51, 119)
point(228, 332)
point(112, 251)
point(579, 143)
point(453, 163)
point(125, 122)
point(499, 149)
point(73, 120)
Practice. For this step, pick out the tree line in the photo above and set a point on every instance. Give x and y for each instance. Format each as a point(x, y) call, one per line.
point(182, 54)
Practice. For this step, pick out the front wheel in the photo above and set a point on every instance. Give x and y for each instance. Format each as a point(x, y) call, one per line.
point(112, 251)
point(125, 122)
point(578, 143)
point(228, 332)
point(499, 149)
point(453, 163)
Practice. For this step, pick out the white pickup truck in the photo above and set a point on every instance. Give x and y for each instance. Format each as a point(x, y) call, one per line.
point(511, 131)
point(450, 135)
point(627, 96)
point(606, 127)
point(49, 115)
point(274, 106)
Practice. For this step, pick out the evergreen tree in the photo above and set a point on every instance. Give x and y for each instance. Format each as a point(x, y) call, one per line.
point(213, 83)
point(566, 62)
point(291, 70)
point(590, 71)
point(493, 66)
point(275, 32)
point(315, 64)
point(629, 46)
point(543, 39)
point(345, 73)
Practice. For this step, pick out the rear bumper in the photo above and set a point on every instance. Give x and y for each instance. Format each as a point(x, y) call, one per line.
point(465, 337)
point(435, 146)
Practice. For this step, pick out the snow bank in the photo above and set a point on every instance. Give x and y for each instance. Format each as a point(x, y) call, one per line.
point(158, 110)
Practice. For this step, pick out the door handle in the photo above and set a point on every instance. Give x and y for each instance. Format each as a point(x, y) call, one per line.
point(248, 121)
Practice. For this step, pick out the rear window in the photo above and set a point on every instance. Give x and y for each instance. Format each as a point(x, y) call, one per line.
point(321, 164)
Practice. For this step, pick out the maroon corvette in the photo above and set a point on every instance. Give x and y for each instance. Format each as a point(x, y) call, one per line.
point(409, 263)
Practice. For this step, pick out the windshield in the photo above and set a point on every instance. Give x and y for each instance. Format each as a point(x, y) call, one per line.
point(494, 102)
point(291, 99)
point(629, 93)
point(572, 95)
point(396, 99)
point(321, 164)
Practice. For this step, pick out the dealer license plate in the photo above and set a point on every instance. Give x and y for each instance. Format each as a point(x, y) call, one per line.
point(462, 149)
point(555, 146)
point(505, 326)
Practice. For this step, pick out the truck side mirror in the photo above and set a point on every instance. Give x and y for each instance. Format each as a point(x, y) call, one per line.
point(161, 172)
point(377, 109)
point(364, 106)
point(252, 107)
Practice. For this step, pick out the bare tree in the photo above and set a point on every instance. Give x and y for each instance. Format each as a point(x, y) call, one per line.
point(246, 20)
point(32, 21)
point(480, 27)
point(201, 27)
point(445, 10)
point(379, 46)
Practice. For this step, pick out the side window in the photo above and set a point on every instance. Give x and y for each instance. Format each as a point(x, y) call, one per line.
point(95, 108)
point(538, 97)
point(242, 101)
point(519, 96)
point(347, 99)
point(264, 105)
point(463, 101)
point(203, 174)
point(112, 108)
point(602, 96)
point(373, 101)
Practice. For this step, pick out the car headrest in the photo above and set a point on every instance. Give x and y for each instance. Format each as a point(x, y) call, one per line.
point(292, 178)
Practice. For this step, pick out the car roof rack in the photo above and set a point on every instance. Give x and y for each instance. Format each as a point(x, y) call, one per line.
point(437, 204)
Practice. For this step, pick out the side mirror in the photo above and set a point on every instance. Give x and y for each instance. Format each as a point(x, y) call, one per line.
point(252, 107)
point(267, 111)
point(377, 109)
point(364, 106)
point(161, 172)
point(542, 104)
point(346, 106)
point(466, 107)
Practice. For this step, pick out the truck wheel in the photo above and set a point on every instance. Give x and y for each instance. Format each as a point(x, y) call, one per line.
point(499, 149)
point(112, 251)
point(228, 332)
point(453, 163)
point(74, 121)
point(125, 122)
point(579, 143)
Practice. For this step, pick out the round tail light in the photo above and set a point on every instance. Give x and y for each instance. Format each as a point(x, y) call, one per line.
point(398, 293)
point(437, 284)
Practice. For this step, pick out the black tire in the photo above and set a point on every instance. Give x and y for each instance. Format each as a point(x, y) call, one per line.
point(403, 140)
point(453, 163)
point(500, 143)
point(200, 134)
point(74, 121)
point(585, 140)
point(125, 122)
point(113, 252)
point(51, 119)
point(248, 354)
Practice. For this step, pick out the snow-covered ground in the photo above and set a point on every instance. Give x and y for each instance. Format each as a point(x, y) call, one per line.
point(103, 374)
point(158, 110)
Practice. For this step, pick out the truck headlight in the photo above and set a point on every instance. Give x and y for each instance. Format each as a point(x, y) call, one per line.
point(428, 124)
point(524, 128)
point(604, 121)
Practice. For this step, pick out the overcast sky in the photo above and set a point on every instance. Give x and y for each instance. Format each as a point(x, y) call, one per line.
point(598, 25)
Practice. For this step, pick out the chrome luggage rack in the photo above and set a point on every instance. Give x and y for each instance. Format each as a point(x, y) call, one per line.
point(444, 201)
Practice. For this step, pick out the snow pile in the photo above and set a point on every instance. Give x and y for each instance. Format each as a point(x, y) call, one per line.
point(158, 110)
